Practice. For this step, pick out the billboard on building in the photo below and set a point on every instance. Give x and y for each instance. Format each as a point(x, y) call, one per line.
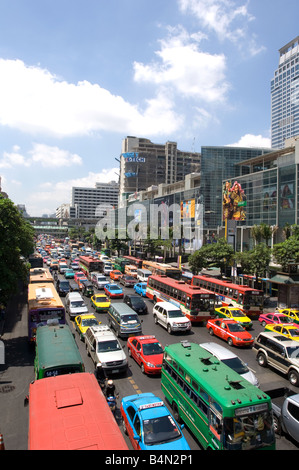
point(233, 202)
point(188, 209)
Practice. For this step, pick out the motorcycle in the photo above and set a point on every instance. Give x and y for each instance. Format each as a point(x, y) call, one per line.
point(111, 400)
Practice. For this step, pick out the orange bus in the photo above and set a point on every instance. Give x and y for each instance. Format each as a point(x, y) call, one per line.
point(249, 300)
point(162, 269)
point(70, 412)
point(88, 264)
point(133, 260)
point(44, 304)
point(197, 304)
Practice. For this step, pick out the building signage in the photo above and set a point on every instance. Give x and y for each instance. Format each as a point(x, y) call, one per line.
point(133, 157)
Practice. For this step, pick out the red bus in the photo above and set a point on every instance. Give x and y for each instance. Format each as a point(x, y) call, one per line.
point(88, 264)
point(135, 261)
point(249, 300)
point(70, 412)
point(197, 304)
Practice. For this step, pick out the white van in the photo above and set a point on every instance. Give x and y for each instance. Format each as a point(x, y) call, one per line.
point(143, 274)
point(171, 317)
point(105, 349)
point(75, 304)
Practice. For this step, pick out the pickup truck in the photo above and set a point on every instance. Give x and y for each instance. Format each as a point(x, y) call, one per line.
point(285, 405)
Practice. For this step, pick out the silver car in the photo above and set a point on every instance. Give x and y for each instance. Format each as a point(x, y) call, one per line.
point(231, 360)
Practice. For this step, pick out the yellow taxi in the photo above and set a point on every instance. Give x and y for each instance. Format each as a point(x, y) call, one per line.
point(289, 330)
point(292, 313)
point(234, 313)
point(100, 302)
point(83, 322)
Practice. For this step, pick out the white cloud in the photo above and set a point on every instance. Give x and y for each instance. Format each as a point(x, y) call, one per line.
point(186, 69)
point(35, 101)
point(250, 140)
point(14, 158)
point(55, 194)
point(47, 156)
point(221, 16)
point(52, 157)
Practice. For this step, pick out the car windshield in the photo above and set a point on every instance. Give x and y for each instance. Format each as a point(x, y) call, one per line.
point(78, 303)
point(64, 283)
point(114, 288)
point(236, 364)
point(129, 319)
point(89, 322)
point(102, 278)
point(152, 348)
point(137, 302)
point(101, 299)
point(294, 332)
point(160, 430)
point(130, 278)
point(293, 352)
point(108, 346)
point(175, 313)
point(237, 313)
point(235, 327)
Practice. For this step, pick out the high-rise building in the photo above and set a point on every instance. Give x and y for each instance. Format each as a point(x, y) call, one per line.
point(144, 164)
point(92, 203)
point(285, 96)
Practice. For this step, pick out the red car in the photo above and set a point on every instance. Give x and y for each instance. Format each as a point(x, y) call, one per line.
point(274, 317)
point(115, 274)
point(231, 331)
point(147, 352)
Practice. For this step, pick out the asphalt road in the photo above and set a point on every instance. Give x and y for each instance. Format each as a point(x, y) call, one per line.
point(17, 373)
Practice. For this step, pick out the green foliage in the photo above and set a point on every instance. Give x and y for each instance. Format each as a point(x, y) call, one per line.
point(219, 254)
point(16, 240)
point(287, 251)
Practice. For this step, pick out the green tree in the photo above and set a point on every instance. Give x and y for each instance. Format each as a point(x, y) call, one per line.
point(16, 241)
point(286, 252)
point(219, 254)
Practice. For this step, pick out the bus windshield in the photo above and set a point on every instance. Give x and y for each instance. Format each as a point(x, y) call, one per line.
point(253, 300)
point(201, 303)
point(250, 431)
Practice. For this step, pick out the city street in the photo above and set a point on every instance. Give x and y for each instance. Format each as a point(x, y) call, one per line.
point(17, 373)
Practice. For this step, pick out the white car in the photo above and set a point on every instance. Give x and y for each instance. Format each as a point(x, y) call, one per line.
point(231, 360)
point(105, 349)
point(170, 317)
point(98, 280)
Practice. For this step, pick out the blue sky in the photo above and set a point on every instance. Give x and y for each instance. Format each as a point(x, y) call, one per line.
point(78, 77)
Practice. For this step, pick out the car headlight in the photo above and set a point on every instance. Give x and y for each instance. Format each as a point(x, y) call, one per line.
point(149, 364)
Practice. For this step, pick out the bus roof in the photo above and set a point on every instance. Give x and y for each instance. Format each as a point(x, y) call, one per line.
point(43, 295)
point(182, 285)
point(40, 275)
point(56, 346)
point(218, 380)
point(225, 283)
point(70, 412)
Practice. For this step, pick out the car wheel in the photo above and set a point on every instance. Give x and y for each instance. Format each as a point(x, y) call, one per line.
point(155, 319)
point(211, 331)
point(124, 427)
point(230, 342)
point(142, 368)
point(129, 352)
point(169, 329)
point(176, 413)
point(293, 377)
point(276, 425)
point(262, 360)
point(263, 324)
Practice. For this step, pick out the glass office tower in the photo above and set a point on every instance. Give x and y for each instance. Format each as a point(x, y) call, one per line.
point(285, 96)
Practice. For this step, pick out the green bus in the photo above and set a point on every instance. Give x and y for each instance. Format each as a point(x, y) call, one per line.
point(221, 409)
point(56, 352)
point(120, 263)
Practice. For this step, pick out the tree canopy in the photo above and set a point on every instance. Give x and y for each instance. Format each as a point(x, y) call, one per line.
point(16, 241)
